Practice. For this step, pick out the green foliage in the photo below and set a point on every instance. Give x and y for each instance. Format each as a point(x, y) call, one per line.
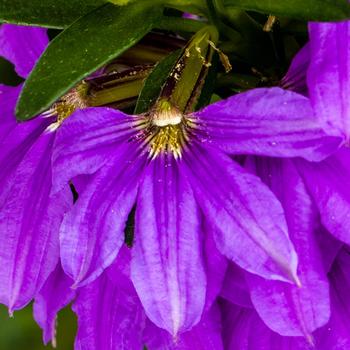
point(154, 83)
point(86, 45)
point(310, 10)
point(47, 13)
point(22, 333)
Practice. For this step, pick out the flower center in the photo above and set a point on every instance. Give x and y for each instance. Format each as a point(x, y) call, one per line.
point(166, 130)
point(66, 106)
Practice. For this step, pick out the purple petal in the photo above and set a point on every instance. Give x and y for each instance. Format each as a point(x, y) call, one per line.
point(8, 100)
point(54, 296)
point(295, 79)
point(93, 231)
point(167, 265)
point(86, 141)
point(216, 265)
point(244, 330)
point(204, 336)
point(247, 220)
point(329, 247)
point(272, 122)
point(235, 288)
point(335, 335)
point(29, 220)
point(328, 74)
point(287, 309)
point(22, 46)
point(329, 184)
point(110, 315)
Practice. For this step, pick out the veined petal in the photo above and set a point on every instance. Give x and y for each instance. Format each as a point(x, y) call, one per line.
point(8, 100)
point(244, 330)
point(206, 335)
point(247, 220)
point(29, 223)
point(287, 309)
point(329, 184)
point(110, 315)
point(328, 74)
point(22, 46)
point(93, 231)
point(335, 335)
point(216, 266)
point(295, 79)
point(268, 121)
point(167, 266)
point(235, 288)
point(329, 246)
point(54, 296)
point(86, 141)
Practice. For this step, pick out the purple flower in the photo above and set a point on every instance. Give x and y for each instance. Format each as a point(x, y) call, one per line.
point(29, 219)
point(323, 66)
point(176, 170)
point(111, 316)
point(315, 197)
point(243, 328)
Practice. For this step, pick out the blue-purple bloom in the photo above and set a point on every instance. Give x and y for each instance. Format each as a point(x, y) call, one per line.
point(195, 207)
point(177, 171)
point(29, 218)
point(315, 198)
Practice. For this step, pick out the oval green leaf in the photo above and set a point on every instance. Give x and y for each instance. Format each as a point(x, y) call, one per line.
point(82, 48)
point(154, 83)
point(310, 10)
point(46, 13)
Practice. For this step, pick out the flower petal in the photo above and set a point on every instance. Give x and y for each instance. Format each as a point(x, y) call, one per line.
point(247, 220)
point(335, 335)
point(268, 121)
point(329, 247)
point(86, 141)
point(93, 231)
point(328, 74)
point(295, 79)
point(206, 335)
point(329, 184)
point(29, 221)
point(8, 100)
point(244, 330)
point(167, 266)
point(22, 46)
point(235, 288)
point(216, 266)
point(110, 315)
point(54, 296)
point(287, 309)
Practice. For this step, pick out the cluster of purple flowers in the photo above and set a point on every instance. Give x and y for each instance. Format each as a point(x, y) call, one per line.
point(228, 253)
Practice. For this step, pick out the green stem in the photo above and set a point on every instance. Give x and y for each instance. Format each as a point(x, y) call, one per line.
point(180, 24)
point(116, 93)
point(196, 7)
point(212, 13)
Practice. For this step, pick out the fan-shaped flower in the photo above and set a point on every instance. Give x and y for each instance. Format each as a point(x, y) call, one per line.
point(29, 219)
point(175, 169)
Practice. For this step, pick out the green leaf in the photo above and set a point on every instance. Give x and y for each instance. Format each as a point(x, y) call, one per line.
point(120, 2)
point(47, 13)
point(82, 48)
point(310, 10)
point(154, 83)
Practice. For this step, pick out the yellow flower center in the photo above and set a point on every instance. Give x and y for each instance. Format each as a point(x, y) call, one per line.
point(68, 104)
point(165, 130)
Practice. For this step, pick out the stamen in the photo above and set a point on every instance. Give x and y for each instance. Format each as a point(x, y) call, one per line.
point(66, 106)
point(166, 115)
point(165, 130)
point(223, 58)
